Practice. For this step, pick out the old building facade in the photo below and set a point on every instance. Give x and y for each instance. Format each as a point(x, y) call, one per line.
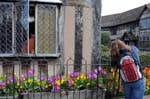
point(135, 22)
point(43, 35)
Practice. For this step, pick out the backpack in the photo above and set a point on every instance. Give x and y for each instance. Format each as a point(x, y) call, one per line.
point(129, 69)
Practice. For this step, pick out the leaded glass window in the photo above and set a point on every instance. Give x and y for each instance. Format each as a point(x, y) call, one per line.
point(28, 29)
point(6, 30)
point(144, 38)
point(46, 29)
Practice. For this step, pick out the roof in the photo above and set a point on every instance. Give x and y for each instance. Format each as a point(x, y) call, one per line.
point(42, 1)
point(129, 35)
point(148, 5)
point(110, 20)
point(125, 17)
point(47, 1)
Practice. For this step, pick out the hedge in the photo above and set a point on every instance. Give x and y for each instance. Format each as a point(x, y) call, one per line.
point(144, 58)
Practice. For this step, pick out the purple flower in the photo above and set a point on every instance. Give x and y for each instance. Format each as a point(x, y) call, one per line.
point(51, 80)
point(2, 84)
point(58, 77)
point(95, 71)
point(103, 72)
point(42, 77)
point(22, 76)
point(70, 81)
point(90, 75)
point(57, 88)
point(99, 68)
point(11, 79)
point(73, 75)
point(70, 72)
point(94, 75)
point(31, 72)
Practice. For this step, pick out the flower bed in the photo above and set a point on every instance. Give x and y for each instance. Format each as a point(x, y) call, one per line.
point(113, 82)
point(73, 85)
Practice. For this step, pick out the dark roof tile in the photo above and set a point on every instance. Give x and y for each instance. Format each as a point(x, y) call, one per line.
point(125, 17)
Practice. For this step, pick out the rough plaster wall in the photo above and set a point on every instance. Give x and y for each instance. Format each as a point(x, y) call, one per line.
point(69, 35)
point(87, 38)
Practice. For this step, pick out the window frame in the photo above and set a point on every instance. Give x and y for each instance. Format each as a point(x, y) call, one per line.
point(144, 37)
point(36, 54)
point(13, 51)
point(56, 54)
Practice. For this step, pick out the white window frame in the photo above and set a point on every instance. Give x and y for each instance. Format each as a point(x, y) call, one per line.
point(56, 54)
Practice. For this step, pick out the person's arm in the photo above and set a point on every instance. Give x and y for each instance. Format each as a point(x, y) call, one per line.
point(135, 53)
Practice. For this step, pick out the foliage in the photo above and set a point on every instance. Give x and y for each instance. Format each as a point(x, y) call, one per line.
point(7, 85)
point(79, 81)
point(147, 79)
point(105, 58)
point(13, 85)
point(104, 48)
point(105, 38)
point(25, 83)
point(113, 82)
point(145, 58)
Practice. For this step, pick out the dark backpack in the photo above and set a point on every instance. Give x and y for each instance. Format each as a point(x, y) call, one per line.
point(129, 69)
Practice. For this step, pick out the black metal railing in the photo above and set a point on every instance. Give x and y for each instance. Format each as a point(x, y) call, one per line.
point(44, 79)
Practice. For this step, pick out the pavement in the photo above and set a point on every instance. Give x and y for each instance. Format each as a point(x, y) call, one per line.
point(145, 97)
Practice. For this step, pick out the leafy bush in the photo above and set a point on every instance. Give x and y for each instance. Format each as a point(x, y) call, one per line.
point(145, 58)
point(105, 38)
point(104, 48)
point(105, 57)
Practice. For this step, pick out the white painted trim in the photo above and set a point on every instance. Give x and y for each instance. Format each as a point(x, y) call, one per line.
point(48, 1)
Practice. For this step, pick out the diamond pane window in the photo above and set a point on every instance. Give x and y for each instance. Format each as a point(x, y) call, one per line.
point(46, 29)
point(28, 29)
point(144, 37)
point(6, 30)
point(22, 26)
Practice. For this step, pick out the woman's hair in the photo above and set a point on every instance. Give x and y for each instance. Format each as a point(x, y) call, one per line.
point(116, 45)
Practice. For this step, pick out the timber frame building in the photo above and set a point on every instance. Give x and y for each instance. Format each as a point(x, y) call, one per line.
point(130, 26)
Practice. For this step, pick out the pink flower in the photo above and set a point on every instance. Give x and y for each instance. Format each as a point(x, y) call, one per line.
point(22, 76)
point(42, 77)
point(2, 84)
point(31, 72)
point(96, 71)
point(11, 79)
point(57, 88)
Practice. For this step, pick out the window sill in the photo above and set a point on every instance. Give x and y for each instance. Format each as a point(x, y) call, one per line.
point(30, 55)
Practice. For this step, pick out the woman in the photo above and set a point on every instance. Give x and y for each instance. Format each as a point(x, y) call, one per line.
point(132, 90)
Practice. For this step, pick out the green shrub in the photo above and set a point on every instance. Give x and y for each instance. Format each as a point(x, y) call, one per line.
point(105, 38)
point(145, 58)
point(105, 58)
point(104, 48)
